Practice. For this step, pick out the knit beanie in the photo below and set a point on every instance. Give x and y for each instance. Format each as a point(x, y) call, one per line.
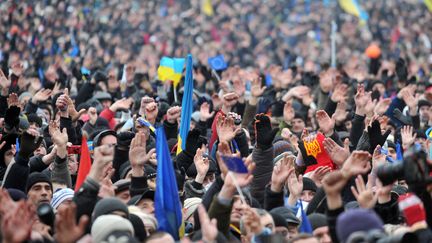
point(107, 206)
point(60, 196)
point(309, 184)
point(16, 194)
point(105, 225)
point(412, 208)
point(282, 146)
point(191, 205)
point(37, 177)
point(357, 220)
point(317, 220)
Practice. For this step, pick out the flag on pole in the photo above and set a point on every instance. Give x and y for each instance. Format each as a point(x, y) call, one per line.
point(167, 202)
point(171, 69)
point(207, 7)
point(84, 164)
point(187, 103)
point(217, 63)
point(354, 8)
point(305, 226)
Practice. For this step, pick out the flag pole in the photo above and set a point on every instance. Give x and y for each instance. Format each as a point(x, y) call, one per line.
point(333, 43)
point(175, 93)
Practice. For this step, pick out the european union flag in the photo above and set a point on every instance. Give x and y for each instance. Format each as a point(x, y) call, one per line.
point(235, 164)
point(167, 202)
point(217, 63)
point(187, 106)
point(305, 226)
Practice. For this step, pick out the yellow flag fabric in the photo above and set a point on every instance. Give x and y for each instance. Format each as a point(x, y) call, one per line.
point(350, 7)
point(171, 69)
point(428, 4)
point(207, 7)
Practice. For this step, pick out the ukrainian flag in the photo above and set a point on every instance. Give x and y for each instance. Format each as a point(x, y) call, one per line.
point(171, 69)
point(207, 7)
point(354, 8)
point(187, 104)
point(167, 201)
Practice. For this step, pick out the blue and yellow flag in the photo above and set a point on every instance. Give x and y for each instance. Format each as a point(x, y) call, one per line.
point(187, 103)
point(171, 69)
point(354, 8)
point(207, 7)
point(167, 202)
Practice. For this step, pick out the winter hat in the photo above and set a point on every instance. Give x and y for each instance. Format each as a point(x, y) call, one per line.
point(37, 177)
point(147, 194)
point(16, 194)
point(357, 220)
point(282, 146)
point(412, 208)
point(122, 185)
point(309, 184)
point(33, 118)
point(279, 220)
point(107, 206)
point(60, 196)
point(317, 220)
point(139, 228)
point(281, 156)
point(105, 225)
point(124, 169)
point(287, 214)
point(191, 205)
point(148, 220)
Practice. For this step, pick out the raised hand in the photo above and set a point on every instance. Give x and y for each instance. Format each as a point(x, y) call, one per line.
point(363, 193)
point(288, 112)
point(341, 113)
point(358, 163)
point(106, 188)
point(223, 150)
point(228, 101)
point(16, 224)
point(202, 165)
point(208, 227)
point(67, 230)
point(281, 171)
point(378, 158)
point(362, 99)
point(333, 183)
point(297, 92)
point(256, 89)
point(239, 87)
point(92, 113)
point(382, 106)
point(252, 221)
point(337, 153)
point(295, 186)
point(242, 180)
point(263, 131)
point(408, 136)
point(73, 113)
point(150, 111)
point(325, 123)
point(173, 114)
point(144, 102)
point(17, 68)
point(103, 157)
point(41, 96)
point(339, 93)
point(12, 100)
point(318, 174)
point(226, 129)
point(137, 152)
point(59, 138)
point(122, 104)
point(205, 113)
point(410, 99)
point(4, 83)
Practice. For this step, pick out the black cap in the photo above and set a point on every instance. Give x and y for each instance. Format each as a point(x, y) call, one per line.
point(317, 220)
point(287, 214)
point(98, 138)
point(309, 184)
point(147, 194)
point(37, 177)
point(99, 76)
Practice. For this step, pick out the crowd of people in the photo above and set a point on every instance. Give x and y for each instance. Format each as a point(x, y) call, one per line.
point(329, 153)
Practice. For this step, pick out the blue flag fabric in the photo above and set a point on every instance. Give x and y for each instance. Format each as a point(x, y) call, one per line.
point(235, 164)
point(305, 226)
point(167, 202)
point(399, 156)
point(187, 105)
point(217, 62)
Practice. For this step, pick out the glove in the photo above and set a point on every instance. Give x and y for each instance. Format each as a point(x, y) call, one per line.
point(12, 118)
point(401, 70)
point(194, 141)
point(375, 136)
point(28, 144)
point(405, 120)
point(263, 131)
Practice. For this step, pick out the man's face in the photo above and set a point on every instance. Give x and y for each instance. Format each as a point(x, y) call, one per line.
point(267, 221)
point(124, 196)
point(392, 153)
point(292, 231)
point(146, 205)
point(106, 103)
point(424, 113)
point(322, 233)
point(237, 211)
point(109, 140)
point(282, 230)
point(40, 192)
point(72, 164)
point(307, 195)
point(297, 125)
